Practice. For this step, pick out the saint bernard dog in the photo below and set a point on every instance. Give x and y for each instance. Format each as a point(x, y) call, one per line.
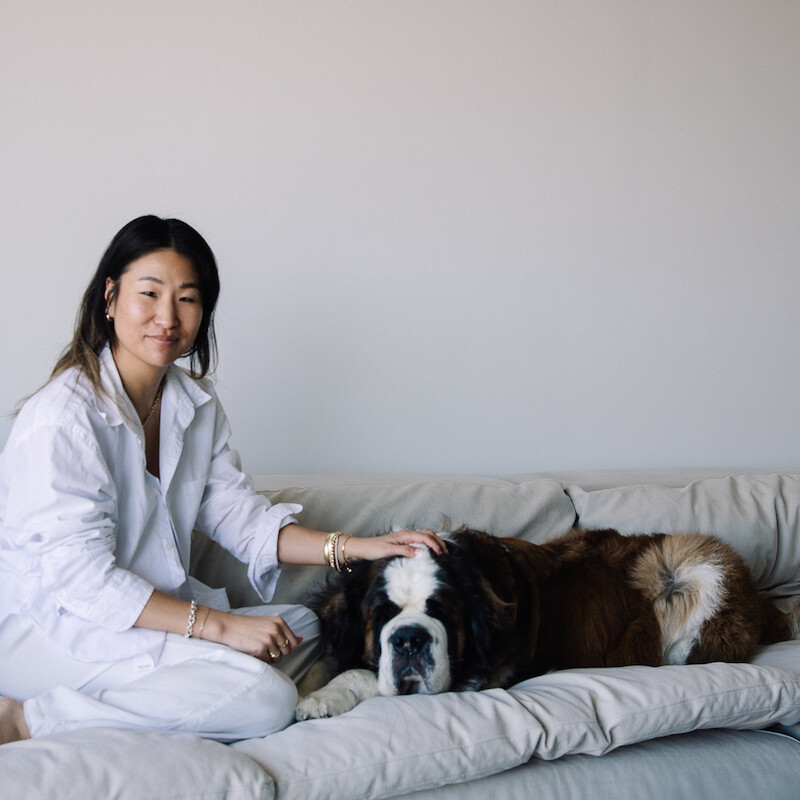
point(494, 611)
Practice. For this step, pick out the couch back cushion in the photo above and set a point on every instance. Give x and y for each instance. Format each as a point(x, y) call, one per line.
point(534, 510)
point(758, 515)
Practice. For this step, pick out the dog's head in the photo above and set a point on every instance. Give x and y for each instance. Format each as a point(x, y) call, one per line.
point(405, 637)
point(425, 624)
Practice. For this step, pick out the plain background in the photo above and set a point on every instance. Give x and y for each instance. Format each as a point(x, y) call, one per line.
point(489, 237)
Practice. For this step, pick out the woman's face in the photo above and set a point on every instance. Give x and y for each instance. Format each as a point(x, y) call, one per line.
point(157, 313)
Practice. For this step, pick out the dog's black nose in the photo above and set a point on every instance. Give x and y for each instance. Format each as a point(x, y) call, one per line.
point(410, 639)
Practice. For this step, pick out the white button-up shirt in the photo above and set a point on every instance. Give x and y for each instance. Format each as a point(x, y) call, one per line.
point(86, 532)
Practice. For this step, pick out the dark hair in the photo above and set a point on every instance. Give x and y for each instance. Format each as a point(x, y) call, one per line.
point(138, 238)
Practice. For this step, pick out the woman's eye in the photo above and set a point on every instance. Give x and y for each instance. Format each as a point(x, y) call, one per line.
point(189, 299)
point(149, 294)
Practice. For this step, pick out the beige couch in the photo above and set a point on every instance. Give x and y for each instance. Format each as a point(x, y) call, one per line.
point(703, 731)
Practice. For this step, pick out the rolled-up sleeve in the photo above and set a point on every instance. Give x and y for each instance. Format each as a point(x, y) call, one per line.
point(61, 512)
point(239, 519)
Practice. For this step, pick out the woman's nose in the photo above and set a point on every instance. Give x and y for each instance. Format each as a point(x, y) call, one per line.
point(167, 314)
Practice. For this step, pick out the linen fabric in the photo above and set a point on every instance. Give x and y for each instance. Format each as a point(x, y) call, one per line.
point(392, 746)
point(195, 686)
point(86, 532)
point(690, 766)
point(103, 763)
point(389, 747)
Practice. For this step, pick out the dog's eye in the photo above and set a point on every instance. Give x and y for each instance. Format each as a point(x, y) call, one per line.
point(436, 608)
point(383, 612)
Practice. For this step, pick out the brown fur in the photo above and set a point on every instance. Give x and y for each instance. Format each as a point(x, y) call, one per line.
point(612, 598)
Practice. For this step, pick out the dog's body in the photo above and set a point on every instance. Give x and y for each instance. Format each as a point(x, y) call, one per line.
point(494, 611)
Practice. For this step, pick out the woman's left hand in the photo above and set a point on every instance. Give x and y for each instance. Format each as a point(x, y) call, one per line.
point(398, 543)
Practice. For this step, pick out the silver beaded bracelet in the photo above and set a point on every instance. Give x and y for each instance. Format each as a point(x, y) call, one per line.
point(192, 617)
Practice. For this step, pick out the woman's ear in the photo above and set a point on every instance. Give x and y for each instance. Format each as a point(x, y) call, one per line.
point(108, 294)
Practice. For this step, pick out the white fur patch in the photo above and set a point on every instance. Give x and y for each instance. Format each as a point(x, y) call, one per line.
point(409, 584)
point(411, 581)
point(681, 619)
point(344, 692)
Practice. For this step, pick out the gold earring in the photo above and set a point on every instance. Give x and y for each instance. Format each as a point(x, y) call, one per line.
point(109, 318)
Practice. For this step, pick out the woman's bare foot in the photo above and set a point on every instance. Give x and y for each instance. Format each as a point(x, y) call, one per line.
point(13, 726)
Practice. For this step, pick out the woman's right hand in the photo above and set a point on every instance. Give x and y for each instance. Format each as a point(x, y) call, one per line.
point(267, 638)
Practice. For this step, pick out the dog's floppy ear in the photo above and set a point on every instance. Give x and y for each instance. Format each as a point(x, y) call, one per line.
point(492, 621)
point(339, 608)
point(498, 602)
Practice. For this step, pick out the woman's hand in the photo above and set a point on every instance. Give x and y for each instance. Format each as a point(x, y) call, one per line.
point(400, 543)
point(267, 638)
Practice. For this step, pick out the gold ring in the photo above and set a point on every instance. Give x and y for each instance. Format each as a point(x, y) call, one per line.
point(274, 653)
point(285, 644)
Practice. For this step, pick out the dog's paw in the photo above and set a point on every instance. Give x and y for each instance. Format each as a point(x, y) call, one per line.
point(322, 703)
point(344, 692)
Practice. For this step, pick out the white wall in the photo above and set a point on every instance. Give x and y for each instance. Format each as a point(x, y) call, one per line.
point(454, 236)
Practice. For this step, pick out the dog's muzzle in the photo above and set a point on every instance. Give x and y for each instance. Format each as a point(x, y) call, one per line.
point(413, 656)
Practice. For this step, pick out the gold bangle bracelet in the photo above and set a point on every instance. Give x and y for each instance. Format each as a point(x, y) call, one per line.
point(330, 551)
point(202, 625)
point(345, 560)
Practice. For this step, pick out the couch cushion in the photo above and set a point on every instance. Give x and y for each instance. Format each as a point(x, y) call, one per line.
point(389, 746)
point(128, 766)
point(757, 515)
point(671, 768)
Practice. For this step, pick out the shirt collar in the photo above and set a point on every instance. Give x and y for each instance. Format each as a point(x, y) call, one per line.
point(116, 407)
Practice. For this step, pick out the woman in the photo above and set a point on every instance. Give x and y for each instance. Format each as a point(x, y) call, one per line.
point(107, 471)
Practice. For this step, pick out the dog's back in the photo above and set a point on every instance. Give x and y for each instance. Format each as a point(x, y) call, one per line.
point(657, 599)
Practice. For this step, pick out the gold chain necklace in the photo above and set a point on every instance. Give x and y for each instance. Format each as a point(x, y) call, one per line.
point(155, 403)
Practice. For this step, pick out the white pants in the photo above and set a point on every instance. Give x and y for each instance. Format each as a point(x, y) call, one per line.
point(195, 687)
